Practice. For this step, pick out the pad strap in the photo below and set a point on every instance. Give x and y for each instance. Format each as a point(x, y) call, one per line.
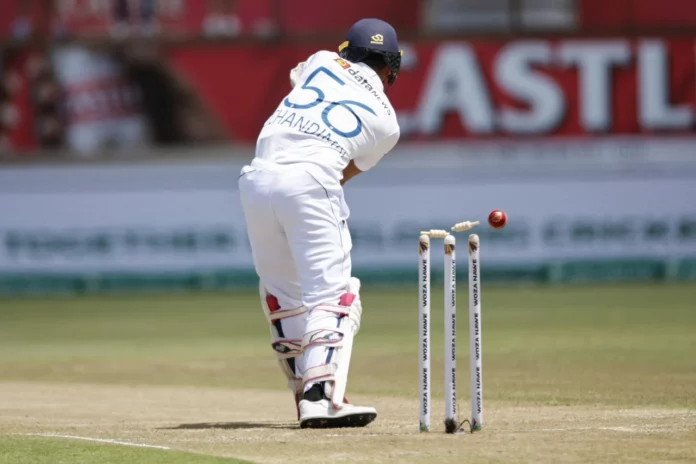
point(274, 312)
point(319, 373)
point(286, 348)
point(327, 337)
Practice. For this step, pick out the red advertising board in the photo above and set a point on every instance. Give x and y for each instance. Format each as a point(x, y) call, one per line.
point(176, 17)
point(454, 90)
point(485, 89)
point(89, 18)
point(632, 14)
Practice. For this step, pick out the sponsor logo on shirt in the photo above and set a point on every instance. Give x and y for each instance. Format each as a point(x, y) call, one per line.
point(342, 63)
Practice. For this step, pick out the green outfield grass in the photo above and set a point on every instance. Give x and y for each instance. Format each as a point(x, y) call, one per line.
point(628, 346)
point(40, 450)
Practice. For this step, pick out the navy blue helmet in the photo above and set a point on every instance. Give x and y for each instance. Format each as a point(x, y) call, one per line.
point(369, 36)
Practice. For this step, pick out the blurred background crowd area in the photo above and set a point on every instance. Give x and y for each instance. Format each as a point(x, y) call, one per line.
point(93, 77)
point(124, 125)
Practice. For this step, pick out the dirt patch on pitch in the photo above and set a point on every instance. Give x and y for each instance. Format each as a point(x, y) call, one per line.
point(260, 426)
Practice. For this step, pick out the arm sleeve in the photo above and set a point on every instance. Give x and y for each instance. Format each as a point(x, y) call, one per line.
point(298, 70)
point(296, 73)
point(370, 159)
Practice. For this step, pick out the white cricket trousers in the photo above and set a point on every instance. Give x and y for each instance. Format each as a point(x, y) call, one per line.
point(298, 232)
point(301, 247)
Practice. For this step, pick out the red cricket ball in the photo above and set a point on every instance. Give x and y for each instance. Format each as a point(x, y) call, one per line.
point(497, 219)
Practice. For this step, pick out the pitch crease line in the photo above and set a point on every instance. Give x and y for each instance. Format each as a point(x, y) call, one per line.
point(98, 440)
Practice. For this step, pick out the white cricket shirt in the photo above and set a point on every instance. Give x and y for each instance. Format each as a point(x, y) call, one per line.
point(336, 112)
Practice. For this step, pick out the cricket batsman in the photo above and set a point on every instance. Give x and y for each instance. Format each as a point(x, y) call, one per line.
point(335, 123)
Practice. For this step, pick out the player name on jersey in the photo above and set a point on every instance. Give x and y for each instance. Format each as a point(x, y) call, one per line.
point(306, 126)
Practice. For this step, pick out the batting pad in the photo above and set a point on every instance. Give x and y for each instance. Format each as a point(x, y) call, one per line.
point(330, 333)
point(286, 339)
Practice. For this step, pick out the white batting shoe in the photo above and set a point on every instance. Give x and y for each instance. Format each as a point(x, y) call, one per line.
point(321, 414)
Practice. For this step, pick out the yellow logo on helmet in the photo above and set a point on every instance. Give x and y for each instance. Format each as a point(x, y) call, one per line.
point(377, 39)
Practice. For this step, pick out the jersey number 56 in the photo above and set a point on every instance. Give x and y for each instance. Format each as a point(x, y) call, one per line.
point(346, 104)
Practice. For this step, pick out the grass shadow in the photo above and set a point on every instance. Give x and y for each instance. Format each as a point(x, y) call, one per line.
point(234, 426)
